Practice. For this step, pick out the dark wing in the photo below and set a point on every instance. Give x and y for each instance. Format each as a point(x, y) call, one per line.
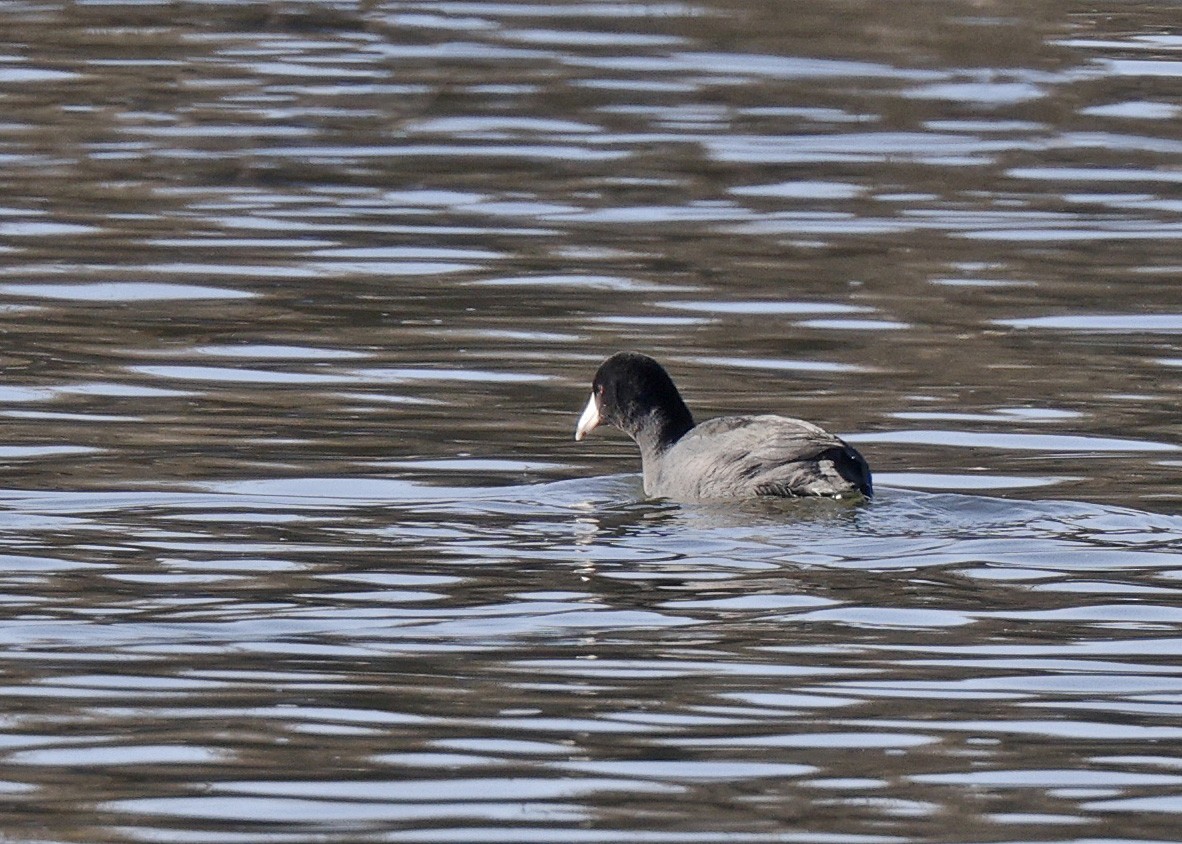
point(772, 456)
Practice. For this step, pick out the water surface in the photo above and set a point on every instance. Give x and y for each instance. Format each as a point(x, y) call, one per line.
point(299, 304)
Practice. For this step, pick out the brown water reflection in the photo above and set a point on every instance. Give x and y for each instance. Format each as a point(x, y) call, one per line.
point(298, 303)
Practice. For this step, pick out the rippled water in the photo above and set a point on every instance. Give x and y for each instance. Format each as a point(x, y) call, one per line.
point(299, 303)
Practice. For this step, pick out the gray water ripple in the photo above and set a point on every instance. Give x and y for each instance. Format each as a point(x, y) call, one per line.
point(300, 305)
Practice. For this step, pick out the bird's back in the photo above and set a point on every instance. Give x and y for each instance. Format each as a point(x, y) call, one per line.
point(757, 456)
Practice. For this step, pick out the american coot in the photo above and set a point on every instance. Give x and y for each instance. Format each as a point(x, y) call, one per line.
point(732, 457)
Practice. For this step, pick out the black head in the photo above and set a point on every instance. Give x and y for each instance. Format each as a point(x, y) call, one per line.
point(634, 393)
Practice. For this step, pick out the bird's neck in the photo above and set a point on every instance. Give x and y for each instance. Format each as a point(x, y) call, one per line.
point(663, 427)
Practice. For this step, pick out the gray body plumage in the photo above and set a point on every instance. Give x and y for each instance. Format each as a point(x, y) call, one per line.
point(753, 457)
